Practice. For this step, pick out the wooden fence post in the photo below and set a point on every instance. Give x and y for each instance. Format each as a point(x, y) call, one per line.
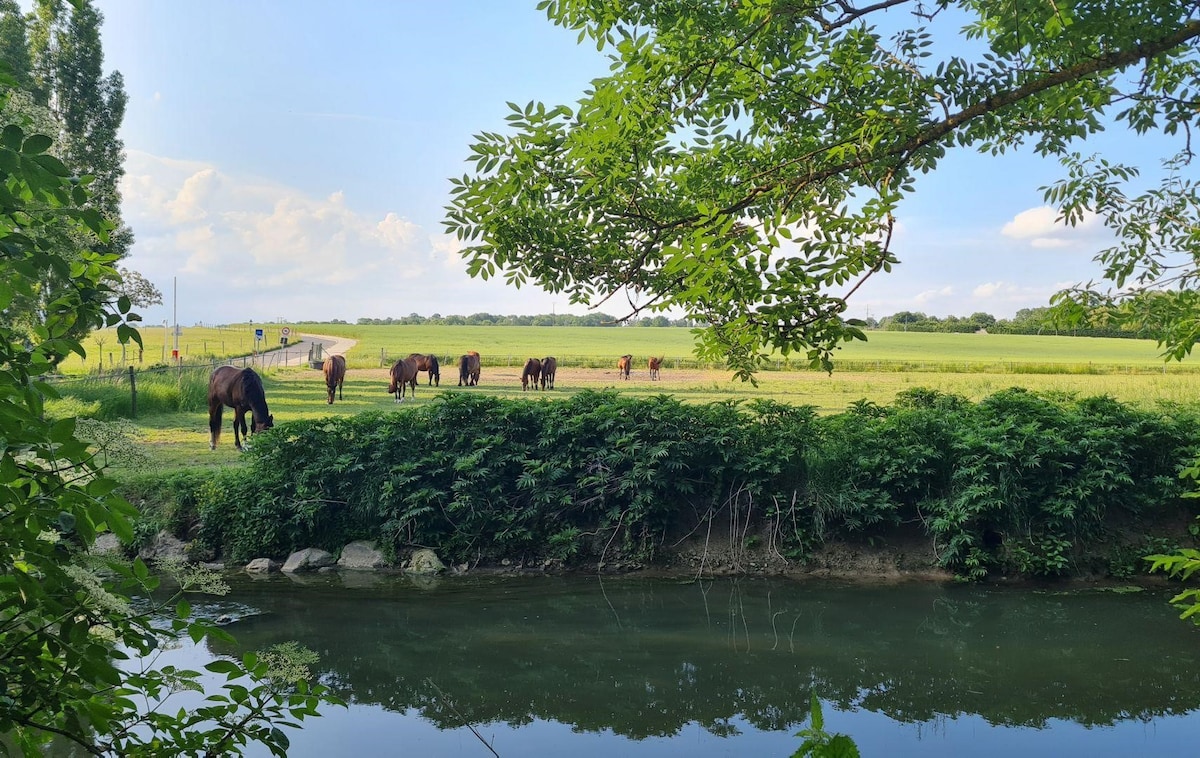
point(132, 393)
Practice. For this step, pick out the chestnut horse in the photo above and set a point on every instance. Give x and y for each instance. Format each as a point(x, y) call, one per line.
point(429, 363)
point(241, 390)
point(623, 366)
point(655, 364)
point(335, 374)
point(404, 375)
point(533, 369)
point(549, 369)
point(468, 369)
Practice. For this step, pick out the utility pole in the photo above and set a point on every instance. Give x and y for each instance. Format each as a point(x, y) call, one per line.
point(175, 313)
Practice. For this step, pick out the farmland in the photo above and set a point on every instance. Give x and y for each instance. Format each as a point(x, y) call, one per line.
point(598, 347)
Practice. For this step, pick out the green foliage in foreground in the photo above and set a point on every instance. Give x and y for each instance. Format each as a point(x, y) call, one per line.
point(819, 743)
point(1185, 562)
point(69, 621)
point(1018, 483)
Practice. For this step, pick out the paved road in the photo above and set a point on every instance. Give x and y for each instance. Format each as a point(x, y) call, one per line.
point(297, 351)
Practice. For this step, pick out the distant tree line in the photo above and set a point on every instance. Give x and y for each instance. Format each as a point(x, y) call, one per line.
point(1026, 321)
point(545, 319)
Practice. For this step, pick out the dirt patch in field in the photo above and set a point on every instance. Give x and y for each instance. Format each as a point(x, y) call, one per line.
point(508, 378)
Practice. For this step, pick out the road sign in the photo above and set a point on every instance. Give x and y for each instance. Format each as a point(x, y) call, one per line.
point(258, 334)
point(285, 331)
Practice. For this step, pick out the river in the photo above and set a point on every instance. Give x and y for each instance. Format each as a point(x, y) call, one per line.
point(583, 666)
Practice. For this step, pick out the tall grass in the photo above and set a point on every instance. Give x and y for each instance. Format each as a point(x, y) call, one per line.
point(109, 397)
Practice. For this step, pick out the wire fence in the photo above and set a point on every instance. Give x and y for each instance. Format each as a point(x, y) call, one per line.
point(182, 385)
point(895, 365)
point(263, 361)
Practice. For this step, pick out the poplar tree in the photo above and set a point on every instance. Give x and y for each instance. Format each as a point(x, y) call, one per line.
point(67, 76)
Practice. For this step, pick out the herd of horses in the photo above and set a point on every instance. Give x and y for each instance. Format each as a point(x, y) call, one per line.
point(242, 390)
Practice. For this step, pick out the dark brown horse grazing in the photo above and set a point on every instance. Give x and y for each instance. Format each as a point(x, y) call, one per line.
point(241, 390)
point(335, 374)
point(623, 366)
point(429, 363)
point(468, 369)
point(655, 364)
point(549, 369)
point(404, 375)
point(533, 369)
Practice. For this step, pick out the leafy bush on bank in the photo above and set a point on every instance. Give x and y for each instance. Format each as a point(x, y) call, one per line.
point(1017, 483)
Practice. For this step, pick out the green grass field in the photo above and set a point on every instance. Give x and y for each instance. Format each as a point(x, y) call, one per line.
point(196, 344)
point(599, 347)
point(884, 351)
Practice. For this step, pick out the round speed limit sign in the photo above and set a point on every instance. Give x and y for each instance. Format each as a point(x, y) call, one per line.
point(285, 331)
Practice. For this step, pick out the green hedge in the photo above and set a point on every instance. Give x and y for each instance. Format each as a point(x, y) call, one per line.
point(1016, 483)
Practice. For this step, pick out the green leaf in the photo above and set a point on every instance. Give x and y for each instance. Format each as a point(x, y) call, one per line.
point(12, 136)
point(37, 143)
point(223, 666)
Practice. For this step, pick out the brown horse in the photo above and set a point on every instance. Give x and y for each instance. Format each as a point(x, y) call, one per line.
point(655, 364)
point(335, 374)
point(549, 369)
point(623, 366)
point(468, 369)
point(533, 369)
point(404, 375)
point(429, 363)
point(241, 390)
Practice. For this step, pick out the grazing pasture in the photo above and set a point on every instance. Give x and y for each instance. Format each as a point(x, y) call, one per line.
point(975, 366)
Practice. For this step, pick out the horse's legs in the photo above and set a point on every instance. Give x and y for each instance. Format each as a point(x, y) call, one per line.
point(215, 411)
point(339, 388)
point(239, 423)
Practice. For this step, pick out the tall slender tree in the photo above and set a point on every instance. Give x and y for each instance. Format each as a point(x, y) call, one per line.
point(57, 87)
point(67, 76)
point(14, 45)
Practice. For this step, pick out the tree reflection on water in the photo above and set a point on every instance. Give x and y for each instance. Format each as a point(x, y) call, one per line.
point(644, 657)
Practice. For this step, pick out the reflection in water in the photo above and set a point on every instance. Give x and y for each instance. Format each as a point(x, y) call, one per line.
point(642, 659)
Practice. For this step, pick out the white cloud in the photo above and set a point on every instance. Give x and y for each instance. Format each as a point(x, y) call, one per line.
point(1004, 296)
point(1050, 243)
point(1034, 222)
point(245, 247)
point(1041, 227)
point(933, 295)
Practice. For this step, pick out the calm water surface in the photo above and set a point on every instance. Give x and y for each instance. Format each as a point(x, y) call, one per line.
point(641, 667)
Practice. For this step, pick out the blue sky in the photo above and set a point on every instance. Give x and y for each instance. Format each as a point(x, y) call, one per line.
point(291, 161)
